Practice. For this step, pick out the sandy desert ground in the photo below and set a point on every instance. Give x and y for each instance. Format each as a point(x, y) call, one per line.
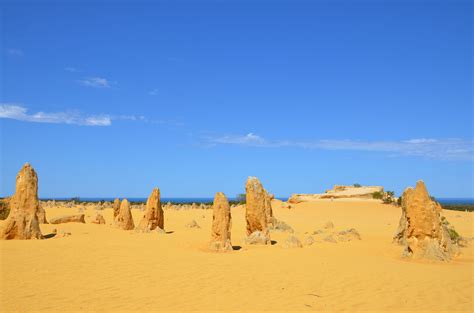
point(101, 268)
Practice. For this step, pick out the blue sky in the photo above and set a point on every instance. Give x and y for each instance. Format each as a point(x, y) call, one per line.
point(111, 99)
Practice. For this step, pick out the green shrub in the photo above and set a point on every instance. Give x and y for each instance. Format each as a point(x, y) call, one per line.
point(357, 185)
point(399, 201)
point(241, 198)
point(453, 234)
point(377, 195)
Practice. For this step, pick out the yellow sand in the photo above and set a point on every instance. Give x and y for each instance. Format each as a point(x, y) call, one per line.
point(101, 268)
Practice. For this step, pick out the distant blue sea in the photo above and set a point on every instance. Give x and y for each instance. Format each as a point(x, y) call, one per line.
point(456, 200)
point(206, 200)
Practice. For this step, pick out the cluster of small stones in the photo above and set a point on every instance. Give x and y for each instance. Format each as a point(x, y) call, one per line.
point(328, 233)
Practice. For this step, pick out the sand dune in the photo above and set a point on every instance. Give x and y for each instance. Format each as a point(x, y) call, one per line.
point(102, 268)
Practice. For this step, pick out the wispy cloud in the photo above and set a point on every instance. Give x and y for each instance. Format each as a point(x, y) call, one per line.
point(20, 113)
point(96, 82)
point(153, 92)
point(15, 52)
point(439, 149)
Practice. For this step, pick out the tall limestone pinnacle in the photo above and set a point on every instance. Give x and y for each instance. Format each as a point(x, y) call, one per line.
point(22, 222)
point(154, 215)
point(422, 230)
point(221, 224)
point(257, 212)
point(124, 219)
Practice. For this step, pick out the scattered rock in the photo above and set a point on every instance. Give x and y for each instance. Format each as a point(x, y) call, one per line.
point(292, 242)
point(192, 224)
point(22, 221)
point(278, 225)
point(348, 235)
point(422, 231)
point(318, 231)
point(124, 219)
point(309, 241)
point(78, 218)
point(256, 210)
point(154, 215)
point(328, 225)
point(99, 219)
point(257, 237)
point(330, 238)
point(221, 224)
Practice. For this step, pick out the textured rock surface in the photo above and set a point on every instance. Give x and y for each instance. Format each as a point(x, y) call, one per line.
point(257, 238)
point(154, 216)
point(192, 224)
point(116, 207)
point(421, 229)
point(42, 215)
point(124, 219)
point(268, 207)
point(221, 224)
point(98, 219)
point(22, 222)
point(339, 192)
point(256, 212)
point(292, 242)
point(78, 218)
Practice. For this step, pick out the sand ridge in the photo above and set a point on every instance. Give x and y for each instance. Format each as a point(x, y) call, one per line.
point(105, 269)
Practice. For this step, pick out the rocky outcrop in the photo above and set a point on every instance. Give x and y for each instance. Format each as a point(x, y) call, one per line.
point(154, 216)
point(256, 209)
point(41, 215)
point(268, 207)
point(98, 219)
point(78, 218)
point(422, 230)
point(22, 221)
point(116, 207)
point(124, 219)
point(339, 192)
point(221, 224)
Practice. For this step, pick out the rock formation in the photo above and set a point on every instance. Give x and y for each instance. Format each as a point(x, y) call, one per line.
point(124, 217)
point(339, 192)
point(78, 218)
point(22, 222)
point(421, 230)
point(116, 207)
point(268, 207)
point(154, 216)
point(98, 219)
point(256, 212)
point(221, 224)
point(41, 215)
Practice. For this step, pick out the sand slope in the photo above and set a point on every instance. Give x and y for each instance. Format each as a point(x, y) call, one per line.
point(101, 268)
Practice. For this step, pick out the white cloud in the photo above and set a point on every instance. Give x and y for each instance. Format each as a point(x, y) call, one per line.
point(250, 139)
point(15, 52)
point(439, 149)
point(20, 113)
point(153, 92)
point(96, 82)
